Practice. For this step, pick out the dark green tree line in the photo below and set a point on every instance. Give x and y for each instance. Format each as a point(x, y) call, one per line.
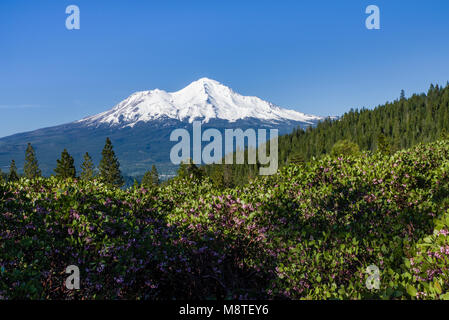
point(393, 126)
point(151, 178)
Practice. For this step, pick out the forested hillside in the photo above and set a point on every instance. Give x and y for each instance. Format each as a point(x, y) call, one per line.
point(310, 231)
point(397, 125)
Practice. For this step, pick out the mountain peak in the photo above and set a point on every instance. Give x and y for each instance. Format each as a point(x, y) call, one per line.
point(203, 99)
point(205, 80)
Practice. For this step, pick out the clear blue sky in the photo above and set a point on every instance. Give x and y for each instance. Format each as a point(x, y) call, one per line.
point(312, 56)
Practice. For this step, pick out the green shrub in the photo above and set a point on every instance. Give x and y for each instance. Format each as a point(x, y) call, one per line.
point(309, 232)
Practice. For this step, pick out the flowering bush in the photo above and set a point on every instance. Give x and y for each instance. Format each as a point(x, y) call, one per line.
point(308, 232)
point(429, 267)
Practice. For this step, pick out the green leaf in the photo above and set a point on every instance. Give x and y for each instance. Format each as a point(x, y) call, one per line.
point(407, 263)
point(412, 291)
point(437, 287)
point(444, 296)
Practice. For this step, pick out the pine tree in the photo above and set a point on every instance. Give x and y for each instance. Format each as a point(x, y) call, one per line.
point(110, 166)
point(65, 166)
point(187, 169)
point(217, 175)
point(228, 175)
point(147, 181)
point(13, 176)
point(182, 170)
point(154, 176)
point(150, 178)
point(87, 168)
point(31, 167)
point(383, 145)
point(1, 176)
point(402, 95)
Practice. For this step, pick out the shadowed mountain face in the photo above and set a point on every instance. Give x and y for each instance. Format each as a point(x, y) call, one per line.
point(140, 127)
point(137, 148)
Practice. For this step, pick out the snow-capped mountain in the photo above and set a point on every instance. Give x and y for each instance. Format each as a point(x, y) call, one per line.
point(203, 99)
point(140, 127)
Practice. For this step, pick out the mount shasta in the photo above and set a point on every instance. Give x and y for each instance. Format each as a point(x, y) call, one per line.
point(140, 126)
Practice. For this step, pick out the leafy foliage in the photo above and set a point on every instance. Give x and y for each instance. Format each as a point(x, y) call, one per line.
point(345, 148)
point(383, 145)
point(309, 232)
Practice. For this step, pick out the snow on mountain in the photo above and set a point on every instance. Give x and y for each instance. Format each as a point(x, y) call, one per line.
point(204, 99)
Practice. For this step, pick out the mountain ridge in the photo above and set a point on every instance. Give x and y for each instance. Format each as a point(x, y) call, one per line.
point(204, 99)
point(140, 127)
